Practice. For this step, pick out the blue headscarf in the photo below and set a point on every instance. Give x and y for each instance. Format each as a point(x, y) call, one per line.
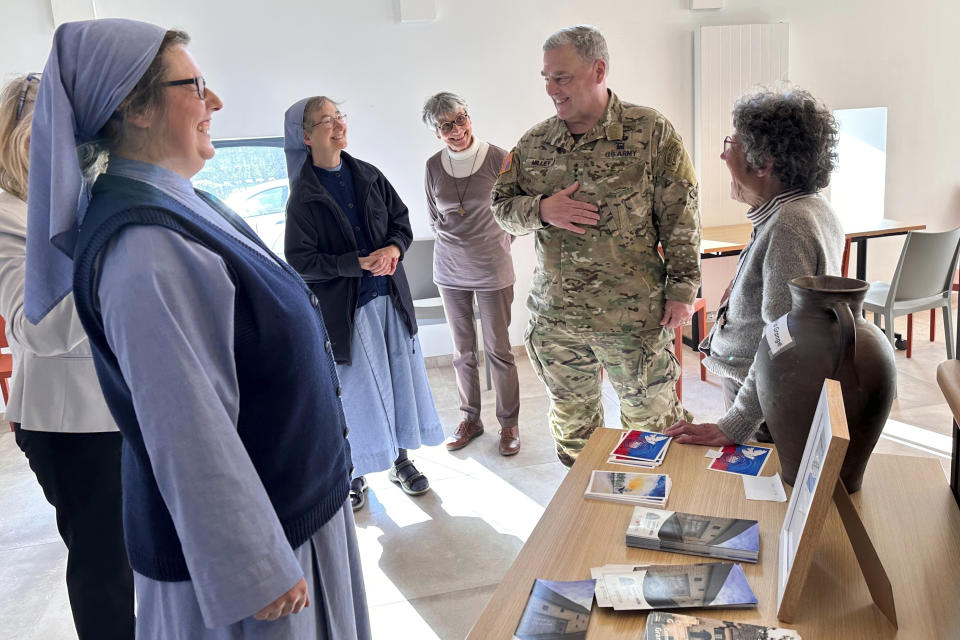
point(93, 65)
point(297, 152)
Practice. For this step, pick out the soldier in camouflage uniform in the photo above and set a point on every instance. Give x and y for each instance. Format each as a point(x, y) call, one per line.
point(604, 186)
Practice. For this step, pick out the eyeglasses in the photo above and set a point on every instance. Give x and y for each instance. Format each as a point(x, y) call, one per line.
point(23, 92)
point(460, 121)
point(729, 142)
point(198, 82)
point(327, 121)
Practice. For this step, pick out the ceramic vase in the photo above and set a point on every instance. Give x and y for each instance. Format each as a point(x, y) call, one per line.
point(825, 336)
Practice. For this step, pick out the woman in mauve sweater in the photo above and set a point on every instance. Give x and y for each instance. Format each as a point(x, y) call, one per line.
point(780, 155)
point(471, 261)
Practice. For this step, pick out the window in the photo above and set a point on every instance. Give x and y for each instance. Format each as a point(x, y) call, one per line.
point(250, 176)
point(857, 184)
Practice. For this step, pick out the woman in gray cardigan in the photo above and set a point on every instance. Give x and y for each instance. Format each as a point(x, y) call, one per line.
point(471, 261)
point(61, 420)
point(781, 154)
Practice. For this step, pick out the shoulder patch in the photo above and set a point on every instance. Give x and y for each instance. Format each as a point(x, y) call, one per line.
point(676, 160)
point(507, 163)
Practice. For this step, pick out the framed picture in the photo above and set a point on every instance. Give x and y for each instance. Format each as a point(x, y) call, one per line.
point(811, 498)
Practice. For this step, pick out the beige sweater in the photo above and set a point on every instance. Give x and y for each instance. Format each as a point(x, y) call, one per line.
point(55, 386)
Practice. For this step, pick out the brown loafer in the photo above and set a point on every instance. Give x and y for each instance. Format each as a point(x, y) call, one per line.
point(509, 440)
point(466, 431)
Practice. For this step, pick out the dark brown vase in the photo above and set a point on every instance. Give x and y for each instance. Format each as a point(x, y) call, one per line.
point(830, 339)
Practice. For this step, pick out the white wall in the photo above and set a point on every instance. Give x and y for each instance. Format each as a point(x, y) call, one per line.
point(263, 55)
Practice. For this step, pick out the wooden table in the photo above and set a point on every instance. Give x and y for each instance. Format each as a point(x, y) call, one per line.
point(729, 240)
point(905, 504)
point(948, 377)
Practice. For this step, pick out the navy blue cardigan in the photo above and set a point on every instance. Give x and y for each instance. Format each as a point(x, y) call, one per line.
point(321, 245)
point(290, 420)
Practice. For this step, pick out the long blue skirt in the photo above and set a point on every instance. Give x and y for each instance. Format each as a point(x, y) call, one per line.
point(386, 395)
point(338, 604)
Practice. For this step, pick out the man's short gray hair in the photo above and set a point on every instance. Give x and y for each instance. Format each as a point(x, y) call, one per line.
point(585, 39)
point(441, 104)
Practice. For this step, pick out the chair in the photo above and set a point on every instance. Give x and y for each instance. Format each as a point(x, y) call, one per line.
point(923, 280)
point(6, 366)
point(700, 312)
point(418, 265)
point(933, 319)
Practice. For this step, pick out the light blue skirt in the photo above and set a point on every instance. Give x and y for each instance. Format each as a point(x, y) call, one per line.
point(386, 395)
point(330, 560)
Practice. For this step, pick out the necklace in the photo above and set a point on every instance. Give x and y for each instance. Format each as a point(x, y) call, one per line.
point(461, 196)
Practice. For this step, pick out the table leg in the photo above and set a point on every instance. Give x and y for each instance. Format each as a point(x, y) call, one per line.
point(861, 257)
point(955, 464)
point(694, 340)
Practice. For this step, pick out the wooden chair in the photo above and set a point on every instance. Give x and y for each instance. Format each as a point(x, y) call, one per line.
point(6, 366)
point(700, 313)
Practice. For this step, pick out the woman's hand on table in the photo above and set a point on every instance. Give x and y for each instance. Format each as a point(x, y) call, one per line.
point(293, 601)
point(706, 433)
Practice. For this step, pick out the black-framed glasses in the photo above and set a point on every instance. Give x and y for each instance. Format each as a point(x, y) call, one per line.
point(23, 92)
point(729, 142)
point(327, 121)
point(460, 121)
point(198, 82)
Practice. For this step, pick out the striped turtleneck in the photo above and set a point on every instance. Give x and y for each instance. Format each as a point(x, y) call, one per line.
point(759, 214)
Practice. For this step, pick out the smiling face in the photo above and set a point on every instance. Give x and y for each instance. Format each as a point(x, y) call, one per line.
point(178, 135)
point(325, 134)
point(577, 88)
point(459, 138)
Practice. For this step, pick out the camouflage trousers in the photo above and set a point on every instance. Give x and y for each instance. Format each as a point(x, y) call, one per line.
point(641, 368)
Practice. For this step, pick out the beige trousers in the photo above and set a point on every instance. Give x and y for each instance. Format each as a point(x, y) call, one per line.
point(495, 324)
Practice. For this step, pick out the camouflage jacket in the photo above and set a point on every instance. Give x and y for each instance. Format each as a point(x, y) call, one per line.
point(633, 166)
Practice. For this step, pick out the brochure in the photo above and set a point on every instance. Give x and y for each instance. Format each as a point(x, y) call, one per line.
point(741, 459)
point(662, 625)
point(634, 488)
point(640, 449)
point(727, 538)
point(715, 584)
point(557, 610)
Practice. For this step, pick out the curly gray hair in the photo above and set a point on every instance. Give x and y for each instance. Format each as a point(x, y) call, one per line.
point(441, 104)
point(585, 39)
point(794, 130)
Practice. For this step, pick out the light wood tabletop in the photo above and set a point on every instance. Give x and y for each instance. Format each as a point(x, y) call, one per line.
point(732, 238)
point(905, 504)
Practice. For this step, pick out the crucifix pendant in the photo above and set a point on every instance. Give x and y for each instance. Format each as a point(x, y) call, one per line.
point(462, 211)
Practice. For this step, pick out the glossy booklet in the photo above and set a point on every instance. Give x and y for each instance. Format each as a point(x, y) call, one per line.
point(635, 488)
point(662, 530)
point(714, 584)
point(674, 626)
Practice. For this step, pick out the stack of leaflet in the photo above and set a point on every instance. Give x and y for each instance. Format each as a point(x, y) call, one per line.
point(640, 449)
point(727, 538)
point(715, 584)
point(633, 488)
point(661, 624)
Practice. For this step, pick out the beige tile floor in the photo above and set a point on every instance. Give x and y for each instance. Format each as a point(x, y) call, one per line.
point(430, 563)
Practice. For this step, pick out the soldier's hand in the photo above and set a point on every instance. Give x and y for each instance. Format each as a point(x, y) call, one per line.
point(675, 314)
point(706, 433)
point(563, 212)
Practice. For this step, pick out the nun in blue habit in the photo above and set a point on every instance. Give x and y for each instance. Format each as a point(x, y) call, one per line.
point(346, 233)
point(211, 352)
